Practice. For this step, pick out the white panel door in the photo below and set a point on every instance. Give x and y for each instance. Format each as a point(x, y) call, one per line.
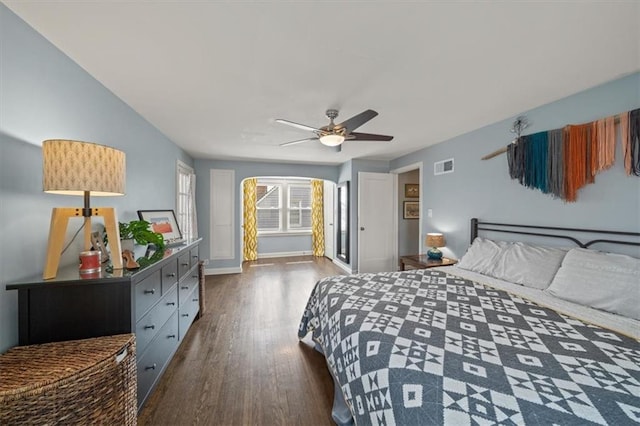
point(329, 217)
point(222, 214)
point(376, 232)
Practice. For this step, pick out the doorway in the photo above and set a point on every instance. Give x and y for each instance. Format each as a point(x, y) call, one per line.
point(409, 241)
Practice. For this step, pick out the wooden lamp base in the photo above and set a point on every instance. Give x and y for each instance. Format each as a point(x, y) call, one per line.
point(57, 230)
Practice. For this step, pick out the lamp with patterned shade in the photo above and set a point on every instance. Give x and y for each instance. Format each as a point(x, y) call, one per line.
point(434, 240)
point(85, 169)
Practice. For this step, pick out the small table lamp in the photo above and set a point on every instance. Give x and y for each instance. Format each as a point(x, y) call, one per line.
point(434, 240)
point(81, 168)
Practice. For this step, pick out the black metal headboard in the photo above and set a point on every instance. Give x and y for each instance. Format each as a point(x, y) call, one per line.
point(477, 225)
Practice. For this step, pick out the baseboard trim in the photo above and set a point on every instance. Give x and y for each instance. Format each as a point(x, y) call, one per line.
point(223, 271)
point(284, 254)
point(342, 266)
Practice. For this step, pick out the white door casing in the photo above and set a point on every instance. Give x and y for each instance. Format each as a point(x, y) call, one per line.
point(377, 245)
point(329, 217)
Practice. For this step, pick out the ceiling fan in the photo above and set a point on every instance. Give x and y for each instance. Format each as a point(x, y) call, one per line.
point(334, 134)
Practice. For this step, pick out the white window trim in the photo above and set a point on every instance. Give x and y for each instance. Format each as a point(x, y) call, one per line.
point(182, 169)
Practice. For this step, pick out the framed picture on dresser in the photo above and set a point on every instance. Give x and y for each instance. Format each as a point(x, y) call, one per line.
point(163, 222)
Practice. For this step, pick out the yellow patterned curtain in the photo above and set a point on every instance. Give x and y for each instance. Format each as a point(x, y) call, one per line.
point(250, 220)
point(317, 218)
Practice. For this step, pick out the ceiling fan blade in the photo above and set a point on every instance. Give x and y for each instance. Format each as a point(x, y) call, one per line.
point(299, 141)
point(355, 136)
point(356, 121)
point(297, 125)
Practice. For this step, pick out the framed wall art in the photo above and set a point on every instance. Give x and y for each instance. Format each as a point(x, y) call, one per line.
point(163, 222)
point(411, 190)
point(411, 210)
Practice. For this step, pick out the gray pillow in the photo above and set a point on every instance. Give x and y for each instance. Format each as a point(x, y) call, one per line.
point(606, 281)
point(481, 255)
point(530, 266)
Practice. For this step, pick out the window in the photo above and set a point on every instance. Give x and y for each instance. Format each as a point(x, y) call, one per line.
point(268, 205)
point(283, 206)
point(299, 207)
point(185, 201)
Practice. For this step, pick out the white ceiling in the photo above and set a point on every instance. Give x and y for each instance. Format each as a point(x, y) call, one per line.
point(214, 75)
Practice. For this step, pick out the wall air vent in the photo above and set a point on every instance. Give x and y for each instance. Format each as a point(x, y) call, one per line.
point(442, 167)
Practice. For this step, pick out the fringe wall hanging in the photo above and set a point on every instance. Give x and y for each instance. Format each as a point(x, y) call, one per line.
point(561, 161)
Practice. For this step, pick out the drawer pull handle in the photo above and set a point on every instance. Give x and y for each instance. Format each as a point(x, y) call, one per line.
point(171, 275)
point(184, 287)
point(152, 327)
point(185, 264)
point(185, 315)
point(171, 303)
point(151, 367)
point(171, 336)
point(152, 291)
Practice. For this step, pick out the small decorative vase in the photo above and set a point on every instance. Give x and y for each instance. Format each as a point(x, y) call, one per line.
point(434, 253)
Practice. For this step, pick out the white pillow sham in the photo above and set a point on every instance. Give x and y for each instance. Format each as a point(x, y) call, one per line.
point(605, 281)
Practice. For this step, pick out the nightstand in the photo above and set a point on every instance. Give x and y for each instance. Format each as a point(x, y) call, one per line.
point(422, 261)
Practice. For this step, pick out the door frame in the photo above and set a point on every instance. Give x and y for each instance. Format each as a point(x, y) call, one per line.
point(332, 214)
point(396, 172)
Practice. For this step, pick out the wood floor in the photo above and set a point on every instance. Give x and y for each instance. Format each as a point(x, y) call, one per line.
point(241, 363)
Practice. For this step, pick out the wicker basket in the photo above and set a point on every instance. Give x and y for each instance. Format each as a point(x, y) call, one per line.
point(91, 381)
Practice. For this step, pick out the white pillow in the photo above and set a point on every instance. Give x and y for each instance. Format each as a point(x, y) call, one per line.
point(606, 281)
point(531, 266)
point(481, 255)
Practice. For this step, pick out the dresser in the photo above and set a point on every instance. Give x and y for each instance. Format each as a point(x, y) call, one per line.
point(158, 302)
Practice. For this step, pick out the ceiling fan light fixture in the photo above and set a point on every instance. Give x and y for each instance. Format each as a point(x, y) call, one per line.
point(331, 139)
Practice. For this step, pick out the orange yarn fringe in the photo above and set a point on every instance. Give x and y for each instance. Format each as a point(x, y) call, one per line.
point(591, 148)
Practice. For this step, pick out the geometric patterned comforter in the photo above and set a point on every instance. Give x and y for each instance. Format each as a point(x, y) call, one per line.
point(424, 347)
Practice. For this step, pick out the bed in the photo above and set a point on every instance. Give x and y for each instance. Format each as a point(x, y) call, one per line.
point(463, 345)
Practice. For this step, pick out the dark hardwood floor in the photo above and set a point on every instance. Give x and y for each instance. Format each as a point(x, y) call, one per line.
point(241, 363)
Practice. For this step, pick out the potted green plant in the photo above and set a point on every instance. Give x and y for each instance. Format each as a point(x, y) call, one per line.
point(141, 233)
point(136, 235)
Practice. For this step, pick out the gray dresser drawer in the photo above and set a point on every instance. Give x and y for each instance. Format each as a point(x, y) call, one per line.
point(147, 293)
point(152, 363)
point(188, 311)
point(186, 286)
point(169, 275)
point(195, 256)
point(147, 327)
point(184, 264)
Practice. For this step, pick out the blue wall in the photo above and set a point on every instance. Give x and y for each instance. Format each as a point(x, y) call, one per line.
point(271, 245)
point(483, 189)
point(45, 95)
